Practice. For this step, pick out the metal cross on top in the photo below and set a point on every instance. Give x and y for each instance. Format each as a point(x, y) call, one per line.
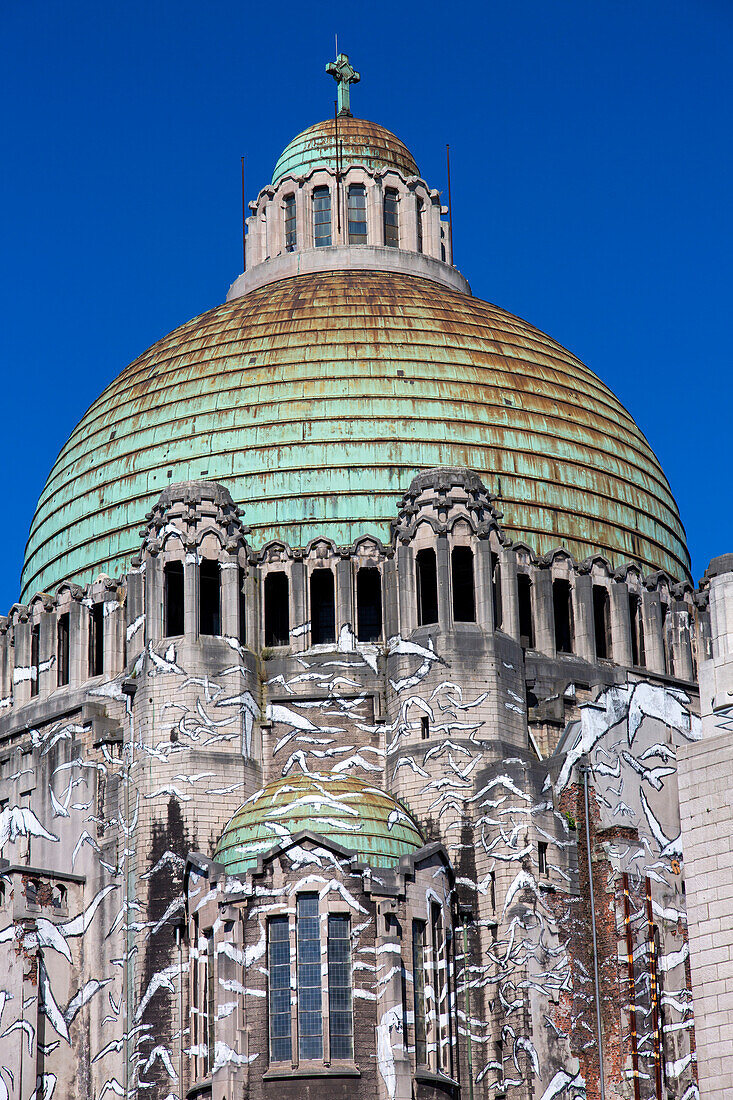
point(344, 75)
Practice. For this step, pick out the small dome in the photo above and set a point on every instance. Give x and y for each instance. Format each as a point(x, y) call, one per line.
point(363, 142)
point(352, 813)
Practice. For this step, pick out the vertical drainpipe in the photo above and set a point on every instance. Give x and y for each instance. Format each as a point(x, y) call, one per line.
point(584, 769)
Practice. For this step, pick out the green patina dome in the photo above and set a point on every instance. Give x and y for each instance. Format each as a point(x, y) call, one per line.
point(352, 813)
point(362, 142)
point(317, 399)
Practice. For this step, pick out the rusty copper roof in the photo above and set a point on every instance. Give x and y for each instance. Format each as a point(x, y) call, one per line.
point(317, 399)
point(364, 142)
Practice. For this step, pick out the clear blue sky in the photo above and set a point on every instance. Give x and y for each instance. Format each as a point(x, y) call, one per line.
point(591, 147)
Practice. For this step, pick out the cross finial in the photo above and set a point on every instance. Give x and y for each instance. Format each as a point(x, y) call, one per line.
point(344, 75)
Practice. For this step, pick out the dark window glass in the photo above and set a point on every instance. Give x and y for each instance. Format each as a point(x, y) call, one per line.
point(323, 610)
point(638, 655)
point(391, 218)
point(357, 214)
point(321, 216)
point(242, 606)
point(279, 989)
point(602, 620)
point(209, 598)
point(424, 727)
point(340, 1022)
point(542, 868)
point(291, 235)
point(277, 609)
point(562, 603)
point(173, 582)
point(419, 214)
point(418, 984)
point(35, 657)
point(496, 589)
point(524, 597)
point(369, 604)
point(96, 640)
point(310, 1023)
point(62, 649)
point(427, 587)
point(464, 601)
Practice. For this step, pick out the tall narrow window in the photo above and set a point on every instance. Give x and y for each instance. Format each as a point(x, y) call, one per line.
point(602, 621)
point(291, 233)
point(96, 640)
point(277, 609)
point(666, 642)
point(35, 657)
point(321, 216)
point(357, 214)
point(418, 985)
point(340, 1021)
point(638, 655)
point(419, 216)
point(310, 1023)
point(209, 597)
point(424, 727)
point(439, 987)
point(496, 590)
point(391, 218)
point(369, 604)
point(524, 598)
point(173, 586)
point(427, 587)
point(323, 608)
point(62, 649)
point(464, 599)
point(242, 608)
point(562, 604)
point(542, 868)
point(279, 989)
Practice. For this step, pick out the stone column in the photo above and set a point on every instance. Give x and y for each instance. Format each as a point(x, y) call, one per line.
point(390, 1013)
point(47, 653)
point(620, 623)
point(154, 598)
point(544, 619)
point(482, 585)
point(300, 218)
point(230, 597)
point(407, 589)
point(681, 641)
point(6, 671)
point(135, 613)
point(375, 212)
point(445, 610)
point(299, 605)
point(345, 610)
point(190, 596)
point(585, 637)
point(78, 643)
point(509, 600)
point(431, 227)
point(408, 220)
point(390, 600)
point(113, 646)
point(22, 672)
point(653, 644)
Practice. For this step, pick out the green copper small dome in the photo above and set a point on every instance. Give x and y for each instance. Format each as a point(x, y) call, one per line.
point(362, 142)
point(352, 813)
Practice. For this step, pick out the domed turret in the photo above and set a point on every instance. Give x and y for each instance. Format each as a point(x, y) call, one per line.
point(359, 817)
point(360, 142)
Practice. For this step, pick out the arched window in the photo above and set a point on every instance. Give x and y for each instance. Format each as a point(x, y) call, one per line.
point(524, 598)
point(369, 604)
point(602, 621)
point(321, 216)
point(277, 609)
point(638, 654)
point(391, 218)
point(323, 609)
point(35, 657)
point(562, 604)
point(96, 639)
point(419, 206)
point(496, 589)
point(291, 231)
point(464, 600)
point(209, 598)
point(357, 214)
point(62, 649)
point(173, 594)
point(427, 587)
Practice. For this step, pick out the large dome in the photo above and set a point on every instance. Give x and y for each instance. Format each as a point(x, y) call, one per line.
point(352, 813)
point(317, 399)
point(362, 142)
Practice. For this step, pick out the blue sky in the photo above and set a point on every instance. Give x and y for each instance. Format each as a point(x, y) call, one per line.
point(591, 155)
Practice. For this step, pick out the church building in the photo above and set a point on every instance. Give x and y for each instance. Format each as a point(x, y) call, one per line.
point(363, 734)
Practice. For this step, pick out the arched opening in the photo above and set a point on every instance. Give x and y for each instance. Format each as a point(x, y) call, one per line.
point(209, 597)
point(419, 216)
point(35, 657)
point(291, 232)
point(357, 217)
point(277, 609)
point(602, 621)
point(321, 216)
point(323, 607)
point(173, 598)
point(496, 590)
point(62, 649)
point(636, 622)
point(427, 587)
point(242, 607)
point(391, 218)
point(562, 605)
point(464, 597)
point(96, 639)
point(369, 604)
point(524, 599)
